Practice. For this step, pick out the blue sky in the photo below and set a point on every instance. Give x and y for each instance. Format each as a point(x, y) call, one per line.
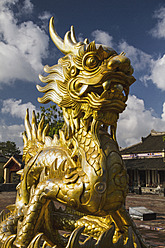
point(136, 27)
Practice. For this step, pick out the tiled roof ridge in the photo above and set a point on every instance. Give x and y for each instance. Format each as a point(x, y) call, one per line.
point(152, 133)
point(130, 146)
point(12, 158)
point(156, 133)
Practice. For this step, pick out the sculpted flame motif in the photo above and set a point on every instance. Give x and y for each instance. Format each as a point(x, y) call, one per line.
point(82, 169)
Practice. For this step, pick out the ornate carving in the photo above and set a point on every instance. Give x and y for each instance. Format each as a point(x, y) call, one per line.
point(82, 169)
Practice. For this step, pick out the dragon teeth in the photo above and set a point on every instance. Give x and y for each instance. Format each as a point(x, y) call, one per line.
point(107, 84)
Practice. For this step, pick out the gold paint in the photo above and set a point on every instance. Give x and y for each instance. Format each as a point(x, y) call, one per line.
point(82, 169)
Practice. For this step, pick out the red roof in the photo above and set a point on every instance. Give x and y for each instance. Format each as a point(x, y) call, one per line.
point(13, 164)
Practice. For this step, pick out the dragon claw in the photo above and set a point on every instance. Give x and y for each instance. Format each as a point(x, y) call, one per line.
point(106, 238)
point(36, 242)
point(9, 242)
point(130, 242)
point(120, 242)
point(104, 241)
point(74, 238)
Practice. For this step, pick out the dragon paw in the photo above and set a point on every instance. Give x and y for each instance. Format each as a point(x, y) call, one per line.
point(105, 240)
point(9, 242)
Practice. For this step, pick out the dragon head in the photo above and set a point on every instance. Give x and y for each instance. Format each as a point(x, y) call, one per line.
point(91, 82)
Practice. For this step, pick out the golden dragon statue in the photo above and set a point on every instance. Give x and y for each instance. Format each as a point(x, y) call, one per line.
point(81, 169)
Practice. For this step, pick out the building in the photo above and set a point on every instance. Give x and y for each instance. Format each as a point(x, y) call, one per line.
point(145, 161)
point(11, 167)
point(3, 160)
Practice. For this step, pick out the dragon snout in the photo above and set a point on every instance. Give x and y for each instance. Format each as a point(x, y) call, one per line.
point(120, 63)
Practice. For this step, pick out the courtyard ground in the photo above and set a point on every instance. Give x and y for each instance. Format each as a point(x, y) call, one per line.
point(153, 231)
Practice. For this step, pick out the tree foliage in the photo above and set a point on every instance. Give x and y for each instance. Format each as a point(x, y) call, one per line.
point(9, 148)
point(53, 116)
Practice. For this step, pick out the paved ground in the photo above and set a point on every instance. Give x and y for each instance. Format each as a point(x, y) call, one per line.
point(152, 231)
point(6, 198)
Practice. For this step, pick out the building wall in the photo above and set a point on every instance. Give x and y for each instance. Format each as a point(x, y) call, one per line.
point(146, 178)
point(1, 171)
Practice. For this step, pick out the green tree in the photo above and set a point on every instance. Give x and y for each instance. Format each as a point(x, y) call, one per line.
point(9, 148)
point(53, 116)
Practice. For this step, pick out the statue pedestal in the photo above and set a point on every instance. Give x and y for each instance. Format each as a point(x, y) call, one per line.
point(142, 213)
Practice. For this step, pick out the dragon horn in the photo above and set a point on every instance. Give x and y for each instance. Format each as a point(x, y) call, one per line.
point(69, 44)
point(34, 126)
point(73, 36)
point(28, 127)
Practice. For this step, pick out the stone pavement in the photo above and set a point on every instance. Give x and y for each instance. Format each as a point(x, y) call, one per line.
point(153, 231)
point(6, 198)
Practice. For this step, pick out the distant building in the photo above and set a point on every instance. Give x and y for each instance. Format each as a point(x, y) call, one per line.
point(11, 167)
point(3, 160)
point(145, 161)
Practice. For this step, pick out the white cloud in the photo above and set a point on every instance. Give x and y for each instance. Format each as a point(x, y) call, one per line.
point(16, 108)
point(13, 65)
point(22, 45)
point(27, 7)
point(103, 38)
point(157, 74)
point(157, 68)
point(136, 122)
point(163, 114)
point(159, 30)
point(12, 133)
point(6, 3)
point(44, 16)
point(139, 59)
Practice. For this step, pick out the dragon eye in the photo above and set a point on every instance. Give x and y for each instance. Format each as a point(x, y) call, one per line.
point(90, 62)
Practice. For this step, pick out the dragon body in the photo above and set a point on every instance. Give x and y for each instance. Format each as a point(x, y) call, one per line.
point(82, 169)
